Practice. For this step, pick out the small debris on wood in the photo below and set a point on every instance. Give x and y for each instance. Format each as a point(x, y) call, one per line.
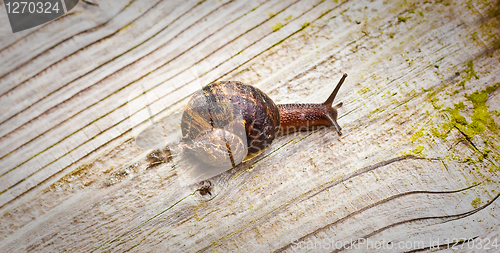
point(158, 157)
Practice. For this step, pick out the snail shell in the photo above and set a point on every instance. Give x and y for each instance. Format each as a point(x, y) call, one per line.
point(226, 121)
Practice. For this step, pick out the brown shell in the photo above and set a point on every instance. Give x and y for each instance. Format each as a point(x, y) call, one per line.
point(227, 104)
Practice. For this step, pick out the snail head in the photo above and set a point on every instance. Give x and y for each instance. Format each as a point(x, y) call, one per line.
point(332, 110)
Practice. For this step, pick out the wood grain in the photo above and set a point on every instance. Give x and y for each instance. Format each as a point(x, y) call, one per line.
point(416, 169)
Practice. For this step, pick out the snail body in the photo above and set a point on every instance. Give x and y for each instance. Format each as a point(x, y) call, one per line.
point(226, 121)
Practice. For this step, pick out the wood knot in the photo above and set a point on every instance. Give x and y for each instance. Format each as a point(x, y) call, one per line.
point(205, 188)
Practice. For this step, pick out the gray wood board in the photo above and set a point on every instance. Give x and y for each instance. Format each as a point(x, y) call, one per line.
point(417, 168)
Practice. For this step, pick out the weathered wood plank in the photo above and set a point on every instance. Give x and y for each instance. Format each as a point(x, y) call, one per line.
point(418, 164)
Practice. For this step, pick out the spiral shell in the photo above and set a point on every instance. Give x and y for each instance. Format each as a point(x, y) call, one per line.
point(246, 114)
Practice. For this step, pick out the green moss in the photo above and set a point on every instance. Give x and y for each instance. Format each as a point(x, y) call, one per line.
point(478, 124)
point(417, 135)
point(479, 98)
point(473, 36)
point(418, 149)
point(306, 24)
point(277, 26)
point(470, 5)
point(470, 73)
point(493, 168)
point(434, 102)
point(375, 111)
point(442, 135)
point(476, 202)
point(289, 17)
point(460, 106)
point(469, 160)
point(271, 14)
point(469, 119)
point(421, 13)
point(403, 19)
point(482, 118)
point(364, 90)
point(456, 118)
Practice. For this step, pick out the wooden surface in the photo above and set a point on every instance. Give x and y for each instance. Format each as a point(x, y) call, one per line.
point(417, 169)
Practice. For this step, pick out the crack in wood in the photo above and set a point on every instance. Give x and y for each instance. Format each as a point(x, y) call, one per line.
point(393, 197)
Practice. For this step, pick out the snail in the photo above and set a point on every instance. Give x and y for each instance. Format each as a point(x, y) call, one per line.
point(228, 121)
